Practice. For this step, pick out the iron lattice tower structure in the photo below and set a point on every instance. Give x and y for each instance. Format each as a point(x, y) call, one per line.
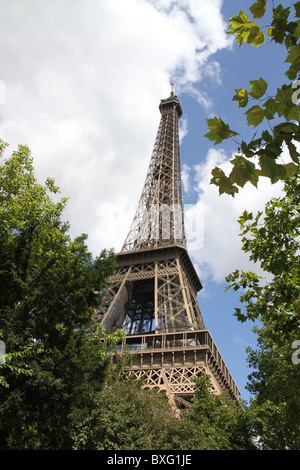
point(153, 293)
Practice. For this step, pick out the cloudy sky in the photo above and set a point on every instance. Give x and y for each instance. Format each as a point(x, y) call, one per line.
point(80, 84)
point(83, 84)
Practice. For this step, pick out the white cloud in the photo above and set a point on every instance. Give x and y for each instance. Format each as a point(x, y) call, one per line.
point(217, 250)
point(183, 128)
point(83, 81)
point(185, 177)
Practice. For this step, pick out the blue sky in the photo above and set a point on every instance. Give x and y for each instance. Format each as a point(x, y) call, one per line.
point(81, 84)
point(237, 67)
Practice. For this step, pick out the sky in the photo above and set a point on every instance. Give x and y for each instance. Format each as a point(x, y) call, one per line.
point(80, 84)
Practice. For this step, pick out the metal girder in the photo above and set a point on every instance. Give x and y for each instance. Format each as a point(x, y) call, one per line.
point(158, 220)
point(159, 297)
point(158, 292)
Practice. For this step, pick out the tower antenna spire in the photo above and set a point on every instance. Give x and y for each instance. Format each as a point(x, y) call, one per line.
point(172, 89)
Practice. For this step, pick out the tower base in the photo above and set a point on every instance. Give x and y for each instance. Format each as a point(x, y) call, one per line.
point(170, 363)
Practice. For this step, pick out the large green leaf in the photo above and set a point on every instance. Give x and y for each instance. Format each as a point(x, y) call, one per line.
point(297, 9)
point(254, 36)
point(243, 171)
point(271, 169)
point(258, 9)
point(284, 98)
point(218, 130)
point(245, 30)
point(255, 115)
point(220, 179)
point(293, 152)
point(286, 129)
point(258, 88)
point(241, 96)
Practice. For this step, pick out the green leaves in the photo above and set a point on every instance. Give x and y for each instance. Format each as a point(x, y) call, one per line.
point(258, 9)
point(280, 28)
point(245, 30)
point(297, 9)
point(269, 146)
point(218, 130)
point(271, 240)
point(285, 107)
point(258, 88)
point(241, 96)
point(16, 363)
point(48, 276)
point(271, 169)
point(274, 243)
point(55, 360)
point(255, 115)
point(243, 171)
point(220, 179)
point(293, 58)
point(293, 152)
point(225, 424)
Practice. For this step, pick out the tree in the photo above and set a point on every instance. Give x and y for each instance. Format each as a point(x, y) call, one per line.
point(50, 287)
point(9, 360)
point(275, 406)
point(261, 156)
point(127, 416)
point(224, 424)
point(274, 303)
point(49, 283)
point(124, 416)
point(273, 243)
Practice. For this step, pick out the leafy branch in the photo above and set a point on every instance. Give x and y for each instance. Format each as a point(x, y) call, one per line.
point(283, 106)
point(14, 362)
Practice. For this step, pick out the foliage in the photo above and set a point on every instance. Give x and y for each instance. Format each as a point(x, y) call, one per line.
point(126, 416)
point(225, 424)
point(14, 362)
point(49, 284)
point(261, 156)
point(274, 243)
point(274, 303)
point(275, 403)
point(50, 287)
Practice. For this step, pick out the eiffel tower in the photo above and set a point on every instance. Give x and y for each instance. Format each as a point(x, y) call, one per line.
point(153, 293)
